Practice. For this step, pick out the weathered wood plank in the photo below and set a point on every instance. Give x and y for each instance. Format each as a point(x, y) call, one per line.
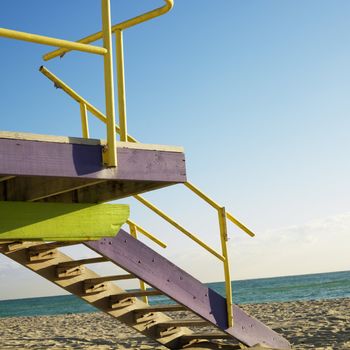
point(106, 191)
point(110, 278)
point(5, 178)
point(208, 335)
point(30, 158)
point(184, 323)
point(136, 293)
point(84, 141)
point(58, 221)
point(34, 188)
point(161, 308)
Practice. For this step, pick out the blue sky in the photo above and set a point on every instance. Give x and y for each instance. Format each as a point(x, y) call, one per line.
point(256, 92)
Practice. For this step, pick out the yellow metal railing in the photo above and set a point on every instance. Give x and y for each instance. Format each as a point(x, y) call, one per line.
point(223, 215)
point(64, 46)
point(110, 155)
point(120, 26)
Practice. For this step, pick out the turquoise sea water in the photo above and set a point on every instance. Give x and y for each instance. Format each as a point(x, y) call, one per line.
point(290, 288)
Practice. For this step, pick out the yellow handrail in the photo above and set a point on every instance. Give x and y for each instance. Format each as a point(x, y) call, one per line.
point(216, 206)
point(109, 120)
point(146, 233)
point(110, 152)
point(222, 214)
point(120, 26)
point(178, 226)
point(69, 91)
point(98, 114)
point(45, 40)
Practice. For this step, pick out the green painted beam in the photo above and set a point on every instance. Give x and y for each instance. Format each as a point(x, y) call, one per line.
point(60, 221)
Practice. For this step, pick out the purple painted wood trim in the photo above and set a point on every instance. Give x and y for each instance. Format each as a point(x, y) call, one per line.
point(23, 157)
point(140, 260)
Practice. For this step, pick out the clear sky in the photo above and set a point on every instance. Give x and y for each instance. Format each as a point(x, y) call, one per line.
point(256, 92)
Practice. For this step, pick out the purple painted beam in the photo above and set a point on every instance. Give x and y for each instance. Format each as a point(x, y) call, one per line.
point(32, 158)
point(140, 260)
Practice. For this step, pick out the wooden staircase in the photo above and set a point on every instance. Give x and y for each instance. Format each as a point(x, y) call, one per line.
point(207, 309)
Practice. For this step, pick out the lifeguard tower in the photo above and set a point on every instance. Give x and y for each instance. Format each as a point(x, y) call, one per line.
point(53, 192)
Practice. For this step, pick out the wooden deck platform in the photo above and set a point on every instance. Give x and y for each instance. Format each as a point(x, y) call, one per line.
point(65, 169)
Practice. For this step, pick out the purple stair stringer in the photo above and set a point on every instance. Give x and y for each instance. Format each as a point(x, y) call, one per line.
point(140, 260)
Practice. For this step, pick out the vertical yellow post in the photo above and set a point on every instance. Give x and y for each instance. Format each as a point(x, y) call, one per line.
point(133, 233)
point(224, 239)
point(109, 85)
point(84, 120)
point(121, 86)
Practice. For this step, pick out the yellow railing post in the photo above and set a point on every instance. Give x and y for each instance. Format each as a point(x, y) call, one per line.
point(121, 86)
point(84, 120)
point(133, 233)
point(226, 262)
point(109, 84)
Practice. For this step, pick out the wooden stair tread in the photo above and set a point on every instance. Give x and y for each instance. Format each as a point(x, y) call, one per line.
point(208, 335)
point(136, 293)
point(83, 262)
point(162, 308)
point(109, 278)
point(184, 323)
point(54, 245)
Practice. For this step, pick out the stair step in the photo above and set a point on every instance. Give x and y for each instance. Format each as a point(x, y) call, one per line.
point(98, 284)
point(16, 245)
point(162, 308)
point(44, 254)
point(184, 323)
point(189, 337)
point(75, 267)
point(53, 245)
point(47, 251)
point(109, 278)
point(83, 262)
point(6, 241)
point(136, 293)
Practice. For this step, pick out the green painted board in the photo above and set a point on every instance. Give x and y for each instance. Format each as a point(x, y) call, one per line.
point(60, 221)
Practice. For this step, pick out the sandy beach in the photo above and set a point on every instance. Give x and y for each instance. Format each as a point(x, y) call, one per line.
point(307, 325)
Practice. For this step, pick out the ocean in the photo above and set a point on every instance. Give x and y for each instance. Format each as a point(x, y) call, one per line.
point(264, 290)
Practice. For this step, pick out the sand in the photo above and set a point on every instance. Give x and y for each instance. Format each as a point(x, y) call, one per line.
point(307, 325)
